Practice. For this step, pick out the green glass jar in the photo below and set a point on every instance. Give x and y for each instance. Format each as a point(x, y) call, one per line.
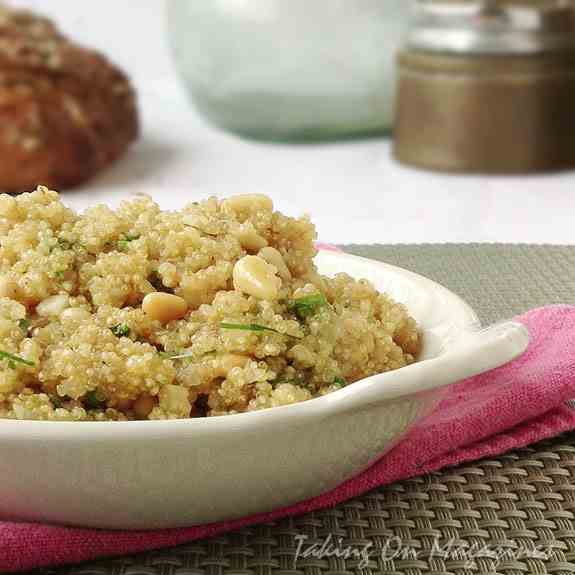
point(290, 69)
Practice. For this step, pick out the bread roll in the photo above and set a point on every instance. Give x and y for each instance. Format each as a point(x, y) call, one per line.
point(66, 112)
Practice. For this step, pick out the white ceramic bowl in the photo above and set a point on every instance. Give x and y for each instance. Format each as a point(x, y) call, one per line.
point(150, 474)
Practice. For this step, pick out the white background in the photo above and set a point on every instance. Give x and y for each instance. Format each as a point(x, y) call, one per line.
point(354, 191)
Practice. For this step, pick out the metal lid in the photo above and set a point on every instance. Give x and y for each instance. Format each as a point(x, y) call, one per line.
point(493, 26)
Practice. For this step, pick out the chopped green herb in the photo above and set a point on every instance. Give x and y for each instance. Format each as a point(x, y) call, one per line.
point(307, 306)
point(339, 382)
point(176, 355)
point(59, 275)
point(93, 400)
point(253, 327)
point(14, 359)
point(120, 330)
point(126, 239)
point(56, 401)
point(247, 327)
point(24, 324)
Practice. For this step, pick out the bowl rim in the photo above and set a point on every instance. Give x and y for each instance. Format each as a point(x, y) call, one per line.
point(302, 411)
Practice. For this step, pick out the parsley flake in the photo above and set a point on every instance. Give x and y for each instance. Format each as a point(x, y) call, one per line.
point(304, 307)
point(56, 401)
point(14, 359)
point(254, 327)
point(176, 355)
point(120, 330)
point(93, 400)
point(339, 382)
point(125, 239)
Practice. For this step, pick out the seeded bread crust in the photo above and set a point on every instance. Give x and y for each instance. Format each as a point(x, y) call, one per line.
point(66, 112)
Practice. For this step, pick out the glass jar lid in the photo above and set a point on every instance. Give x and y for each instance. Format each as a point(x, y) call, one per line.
point(493, 26)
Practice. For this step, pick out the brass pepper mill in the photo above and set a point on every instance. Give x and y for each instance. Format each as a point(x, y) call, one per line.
point(488, 87)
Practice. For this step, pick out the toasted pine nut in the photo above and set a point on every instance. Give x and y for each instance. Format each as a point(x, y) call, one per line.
point(123, 404)
point(53, 305)
point(252, 275)
point(164, 307)
point(272, 256)
point(143, 406)
point(251, 241)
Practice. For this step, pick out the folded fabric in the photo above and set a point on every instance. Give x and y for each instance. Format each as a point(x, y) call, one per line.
point(509, 407)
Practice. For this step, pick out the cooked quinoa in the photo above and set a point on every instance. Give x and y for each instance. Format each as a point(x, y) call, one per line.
point(138, 313)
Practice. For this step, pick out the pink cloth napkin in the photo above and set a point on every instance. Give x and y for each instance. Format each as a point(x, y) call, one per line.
point(509, 407)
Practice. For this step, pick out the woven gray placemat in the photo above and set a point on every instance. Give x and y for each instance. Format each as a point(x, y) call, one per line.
point(514, 514)
point(498, 281)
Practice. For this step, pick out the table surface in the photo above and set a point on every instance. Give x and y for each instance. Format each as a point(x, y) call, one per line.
point(354, 191)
